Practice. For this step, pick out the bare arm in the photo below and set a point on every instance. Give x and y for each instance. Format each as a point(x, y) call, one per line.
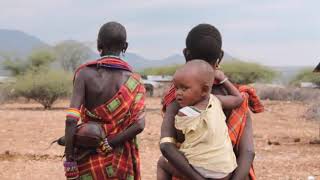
point(234, 98)
point(246, 152)
point(128, 134)
point(169, 150)
point(78, 96)
point(136, 128)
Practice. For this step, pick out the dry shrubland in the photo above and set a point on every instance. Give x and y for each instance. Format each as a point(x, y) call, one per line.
point(6, 93)
point(307, 95)
point(313, 112)
point(287, 93)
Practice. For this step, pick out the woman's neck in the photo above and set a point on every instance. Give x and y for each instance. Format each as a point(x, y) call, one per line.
point(202, 103)
point(110, 53)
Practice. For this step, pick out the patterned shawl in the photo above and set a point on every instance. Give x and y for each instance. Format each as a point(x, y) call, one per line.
point(119, 113)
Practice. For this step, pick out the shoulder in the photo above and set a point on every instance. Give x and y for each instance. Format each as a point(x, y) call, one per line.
point(214, 99)
point(83, 72)
point(86, 74)
point(215, 102)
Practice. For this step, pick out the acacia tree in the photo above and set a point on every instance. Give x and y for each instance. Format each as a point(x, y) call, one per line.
point(71, 54)
point(306, 75)
point(36, 80)
point(44, 86)
point(35, 61)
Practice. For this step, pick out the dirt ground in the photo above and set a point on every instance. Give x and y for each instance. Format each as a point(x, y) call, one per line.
point(26, 131)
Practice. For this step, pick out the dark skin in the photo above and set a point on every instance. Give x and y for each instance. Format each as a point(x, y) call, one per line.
point(245, 154)
point(92, 88)
point(188, 81)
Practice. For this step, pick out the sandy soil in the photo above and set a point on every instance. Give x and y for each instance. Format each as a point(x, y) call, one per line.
point(26, 130)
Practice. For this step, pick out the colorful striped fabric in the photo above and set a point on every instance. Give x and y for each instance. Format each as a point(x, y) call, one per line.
point(237, 120)
point(106, 62)
point(73, 113)
point(117, 114)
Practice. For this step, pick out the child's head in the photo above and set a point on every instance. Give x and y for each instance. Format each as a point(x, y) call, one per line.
point(112, 37)
point(204, 42)
point(193, 82)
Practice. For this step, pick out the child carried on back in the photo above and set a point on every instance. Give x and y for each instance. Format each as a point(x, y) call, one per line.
point(207, 145)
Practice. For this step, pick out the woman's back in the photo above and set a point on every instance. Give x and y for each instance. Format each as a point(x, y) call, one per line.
point(102, 84)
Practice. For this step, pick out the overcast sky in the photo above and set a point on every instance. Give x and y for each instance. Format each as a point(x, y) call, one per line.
point(273, 32)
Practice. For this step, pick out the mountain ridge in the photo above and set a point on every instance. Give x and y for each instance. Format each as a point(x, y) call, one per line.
point(20, 44)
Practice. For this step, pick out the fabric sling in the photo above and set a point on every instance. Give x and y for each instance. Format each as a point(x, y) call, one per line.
point(116, 115)
point(237, 119)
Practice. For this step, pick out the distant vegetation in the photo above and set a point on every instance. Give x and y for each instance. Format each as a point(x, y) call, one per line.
point(71, 54)
point(35, 78)
point(245, 73)
point(288, 93)
point(306, 75)
point(43, 86)
point(238, 71)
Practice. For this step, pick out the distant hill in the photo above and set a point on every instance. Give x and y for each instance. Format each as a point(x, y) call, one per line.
point(19, 44)
point(140, 63)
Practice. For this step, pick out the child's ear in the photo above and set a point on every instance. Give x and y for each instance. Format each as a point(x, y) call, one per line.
point(205, 90)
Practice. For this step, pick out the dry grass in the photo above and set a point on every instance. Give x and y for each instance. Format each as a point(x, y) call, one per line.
point(313, 112)
point(310, 96)
point(288, 93)
point(26, 130)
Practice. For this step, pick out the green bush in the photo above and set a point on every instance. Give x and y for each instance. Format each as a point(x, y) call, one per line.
point(306, 75)
point(165, 70)
point(38, 59)
point(16, 67)
point(35, 79)
point(43, 86)
point(6, 92)
point(238, 72)
point(245, 73)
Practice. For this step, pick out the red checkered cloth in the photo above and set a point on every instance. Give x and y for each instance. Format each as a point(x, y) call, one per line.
point(119, 113)
point(237, 120)
point(106, 62)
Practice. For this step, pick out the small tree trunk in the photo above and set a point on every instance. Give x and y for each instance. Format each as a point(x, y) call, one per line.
point(46, 107)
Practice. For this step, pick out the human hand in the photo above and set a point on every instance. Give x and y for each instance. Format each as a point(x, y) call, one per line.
point(219, 75)
point(104, 147)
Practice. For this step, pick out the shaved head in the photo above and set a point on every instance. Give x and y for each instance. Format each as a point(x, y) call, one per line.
point(193, 82)
point(112, 35)
point(198, 69)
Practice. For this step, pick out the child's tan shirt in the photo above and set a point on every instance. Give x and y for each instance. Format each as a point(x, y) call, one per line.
point(207, 143)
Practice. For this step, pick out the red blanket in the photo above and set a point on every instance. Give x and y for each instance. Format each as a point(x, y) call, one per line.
point(119, 113)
